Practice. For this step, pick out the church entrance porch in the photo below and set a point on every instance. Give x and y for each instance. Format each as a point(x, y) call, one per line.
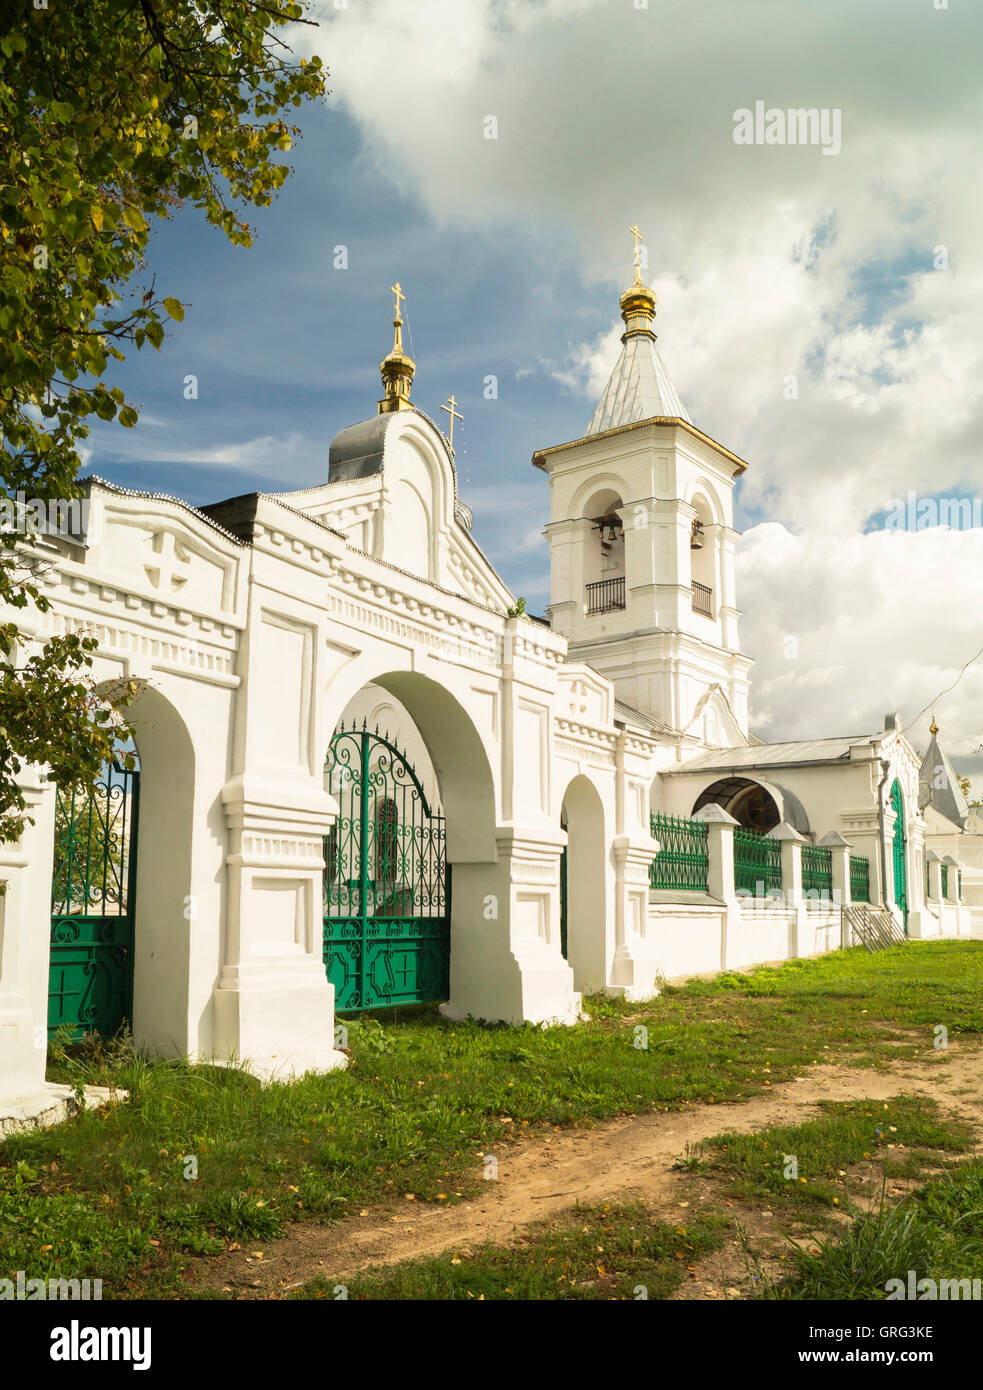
point(386, 879)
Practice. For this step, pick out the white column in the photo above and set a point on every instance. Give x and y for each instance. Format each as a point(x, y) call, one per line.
point(506, 962)
point(792, 842)
point(934, 876)
point(274, 1007)
point(720, 872)
point(25, 935)
point(839, 849)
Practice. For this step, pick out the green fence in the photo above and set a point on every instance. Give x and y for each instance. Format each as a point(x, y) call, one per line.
point(682, 861)
point(757, 862)
point(859, 878)
point(817, 871)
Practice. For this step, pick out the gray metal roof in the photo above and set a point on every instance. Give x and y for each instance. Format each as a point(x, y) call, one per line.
point(356, 452)
point(638, 389)
point(939, 787)
point(761, 755)
point(627, 714)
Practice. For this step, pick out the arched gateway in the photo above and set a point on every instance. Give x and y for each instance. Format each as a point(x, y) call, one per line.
point(386, 884)
point(90, 986)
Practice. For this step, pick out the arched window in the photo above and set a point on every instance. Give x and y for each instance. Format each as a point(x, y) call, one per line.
point(703, 559)
point(604, 568)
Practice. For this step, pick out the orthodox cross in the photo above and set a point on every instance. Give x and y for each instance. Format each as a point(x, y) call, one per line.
point(633, 231)
point(454, 415)
point(398, 292)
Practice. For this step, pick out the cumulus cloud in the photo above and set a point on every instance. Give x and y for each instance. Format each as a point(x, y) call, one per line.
point(820, 315)
point(847, 631)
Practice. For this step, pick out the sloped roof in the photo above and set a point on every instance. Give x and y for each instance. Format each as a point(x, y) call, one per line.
point(821, 750)
point(638, 389)
point(939, 787)
point(627, 714)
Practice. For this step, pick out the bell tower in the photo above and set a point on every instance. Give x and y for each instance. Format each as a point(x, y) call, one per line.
point(642, 545)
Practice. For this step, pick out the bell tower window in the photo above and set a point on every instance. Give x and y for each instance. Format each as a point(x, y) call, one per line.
point(604, 571)
point(701, 552)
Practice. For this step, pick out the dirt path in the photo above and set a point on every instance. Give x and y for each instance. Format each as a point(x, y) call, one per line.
point(628, 1157)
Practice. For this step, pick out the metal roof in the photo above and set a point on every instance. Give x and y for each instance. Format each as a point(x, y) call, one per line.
point(638, 388)
point(822, 750)
point(938, 785)
point(627, 714)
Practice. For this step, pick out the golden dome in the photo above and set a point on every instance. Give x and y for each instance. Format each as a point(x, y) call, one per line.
point(398, 367)
point(638, 308)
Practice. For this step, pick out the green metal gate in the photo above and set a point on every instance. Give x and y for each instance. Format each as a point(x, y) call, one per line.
point(386, 880)
point(90, 981)
point(900, 855)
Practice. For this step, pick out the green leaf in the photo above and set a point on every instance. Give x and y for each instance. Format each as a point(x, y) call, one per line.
point(175, 308)
point(128, 417)
point(134, 219)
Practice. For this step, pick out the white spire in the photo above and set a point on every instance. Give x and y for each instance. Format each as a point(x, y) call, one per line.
point(639, 387)
point(938, 784)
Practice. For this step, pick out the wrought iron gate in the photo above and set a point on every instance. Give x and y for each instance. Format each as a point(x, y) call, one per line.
point(90, 981)
point(386, 880)
point(900, 847)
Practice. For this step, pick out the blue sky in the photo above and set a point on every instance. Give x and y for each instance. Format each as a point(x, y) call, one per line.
point(286, 348)
point(806, 313)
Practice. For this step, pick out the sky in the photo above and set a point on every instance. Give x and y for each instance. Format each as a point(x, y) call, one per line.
point(819, 307)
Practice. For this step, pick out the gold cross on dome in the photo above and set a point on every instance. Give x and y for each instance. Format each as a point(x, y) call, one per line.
point(398, 292)
point(633, 231)
point(454, 414)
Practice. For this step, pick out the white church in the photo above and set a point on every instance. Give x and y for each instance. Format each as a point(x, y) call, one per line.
point(364, 777)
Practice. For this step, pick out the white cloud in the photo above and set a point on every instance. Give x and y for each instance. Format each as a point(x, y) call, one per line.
point(879, 622)
point(292, 455)
point(769, 263)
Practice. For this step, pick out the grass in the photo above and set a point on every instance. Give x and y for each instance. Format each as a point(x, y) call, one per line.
point(807, 1164)
point(609, 1251)
point(937, 1234)
point(112, 1194)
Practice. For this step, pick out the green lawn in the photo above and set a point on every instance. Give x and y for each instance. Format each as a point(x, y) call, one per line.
point(107, 1195)
point(609, 1251)
point(808, 1164)
point(621, 1251)
point(937, 1234)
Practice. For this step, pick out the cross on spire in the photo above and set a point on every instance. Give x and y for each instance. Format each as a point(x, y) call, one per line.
point(633, 231)
point(454, 415)
point(398, 292)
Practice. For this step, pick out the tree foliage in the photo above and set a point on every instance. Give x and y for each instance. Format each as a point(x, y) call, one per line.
point(112, 113)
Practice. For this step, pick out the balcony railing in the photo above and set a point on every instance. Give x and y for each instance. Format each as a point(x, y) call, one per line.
point(702, 599)
point(605, 596)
